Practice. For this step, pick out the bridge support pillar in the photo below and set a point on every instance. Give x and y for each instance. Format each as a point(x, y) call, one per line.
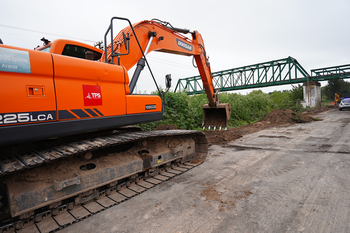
point(312, 94)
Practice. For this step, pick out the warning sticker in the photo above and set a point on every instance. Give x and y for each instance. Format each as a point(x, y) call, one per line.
point(92, 95)
point(12, 60)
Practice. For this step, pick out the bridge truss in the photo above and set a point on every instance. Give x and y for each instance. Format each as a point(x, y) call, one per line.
point(272, 73)
point(333, 72)
point(277, 72)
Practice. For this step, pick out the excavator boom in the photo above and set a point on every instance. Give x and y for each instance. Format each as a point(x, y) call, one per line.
point(158, 36)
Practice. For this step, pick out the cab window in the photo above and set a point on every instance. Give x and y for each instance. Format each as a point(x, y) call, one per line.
point(81, 52)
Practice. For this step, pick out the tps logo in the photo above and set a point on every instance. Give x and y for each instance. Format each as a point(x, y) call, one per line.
point(92, 95)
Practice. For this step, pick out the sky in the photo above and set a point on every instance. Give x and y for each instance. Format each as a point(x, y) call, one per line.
point(236, 33)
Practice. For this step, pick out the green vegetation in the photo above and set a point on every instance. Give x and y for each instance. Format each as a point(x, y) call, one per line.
point(246, 109)
point(288, 99)
point(186, 112)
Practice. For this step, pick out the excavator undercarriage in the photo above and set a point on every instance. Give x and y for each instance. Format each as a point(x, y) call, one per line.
point(111, 167)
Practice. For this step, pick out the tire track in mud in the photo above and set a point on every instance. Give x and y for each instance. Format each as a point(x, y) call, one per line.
point(305, 198)
point(277, 194)
point(325, 209)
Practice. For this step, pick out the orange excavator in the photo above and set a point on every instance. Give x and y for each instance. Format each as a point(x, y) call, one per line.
point(65, 134)
point(160, 36)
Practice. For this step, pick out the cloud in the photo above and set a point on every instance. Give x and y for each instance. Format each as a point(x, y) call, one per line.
point(236, 33)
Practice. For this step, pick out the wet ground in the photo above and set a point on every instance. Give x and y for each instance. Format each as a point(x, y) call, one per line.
point(277, 118)
point(291, 178)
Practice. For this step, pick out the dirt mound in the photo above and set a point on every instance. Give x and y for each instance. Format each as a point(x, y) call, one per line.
point(166, 127)
point(280, 117)
point(276, 118)
point(221, 137)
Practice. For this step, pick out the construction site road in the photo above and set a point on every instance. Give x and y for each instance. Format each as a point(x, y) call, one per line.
point(281, 179)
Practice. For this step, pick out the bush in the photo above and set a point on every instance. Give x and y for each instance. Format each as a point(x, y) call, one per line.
point(282, 100)
point(296, 93)
point(246, 109)
point(287, 99)
point(186, 112)
point(182, 111)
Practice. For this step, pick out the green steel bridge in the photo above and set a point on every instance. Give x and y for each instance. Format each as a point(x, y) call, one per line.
point(272, 73)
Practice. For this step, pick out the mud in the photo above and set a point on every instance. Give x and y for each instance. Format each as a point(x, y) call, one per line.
point(223, 136)
point(225, 202)
point(276, 118)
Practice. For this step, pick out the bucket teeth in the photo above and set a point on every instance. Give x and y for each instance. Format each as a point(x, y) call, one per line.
point(214, 128)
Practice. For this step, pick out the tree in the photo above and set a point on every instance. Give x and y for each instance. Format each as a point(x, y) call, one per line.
point(296, 93)
point(336, 86)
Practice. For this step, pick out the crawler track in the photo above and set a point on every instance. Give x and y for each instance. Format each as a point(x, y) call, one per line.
point(80, 212)
point(77, 206)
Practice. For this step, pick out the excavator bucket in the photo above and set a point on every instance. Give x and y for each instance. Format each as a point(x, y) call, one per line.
point(216, 117)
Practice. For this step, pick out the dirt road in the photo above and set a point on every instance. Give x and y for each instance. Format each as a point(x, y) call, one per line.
point(290, 179)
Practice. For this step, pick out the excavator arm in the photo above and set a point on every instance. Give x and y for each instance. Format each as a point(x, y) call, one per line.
point(133, 43)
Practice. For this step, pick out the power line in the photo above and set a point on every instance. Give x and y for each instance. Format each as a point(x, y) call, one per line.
point(169, 62)
point(152, 58)
point(45, 33)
